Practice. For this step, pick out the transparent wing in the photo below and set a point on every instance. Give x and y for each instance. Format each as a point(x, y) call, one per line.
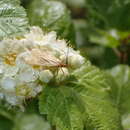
point(42, 58)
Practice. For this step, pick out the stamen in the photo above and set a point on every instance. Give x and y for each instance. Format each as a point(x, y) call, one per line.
point(10, 59)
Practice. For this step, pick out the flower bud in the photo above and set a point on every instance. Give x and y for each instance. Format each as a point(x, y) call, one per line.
point(76, 61)
point(46, 76)
point(62, 74)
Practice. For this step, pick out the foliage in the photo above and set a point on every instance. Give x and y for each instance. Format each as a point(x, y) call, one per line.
point(5, 124)
point(84, 101)
point(91, 97)
point(110, 25)
point(121, 74)
point(31, 122)
point(107, 14)
point(61, 107)
point(13, 20)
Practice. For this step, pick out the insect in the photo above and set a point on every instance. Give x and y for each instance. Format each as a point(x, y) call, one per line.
point(44, 58)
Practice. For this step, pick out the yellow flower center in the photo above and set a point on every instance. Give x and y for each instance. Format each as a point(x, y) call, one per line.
point(10, 58)
point(23, 90)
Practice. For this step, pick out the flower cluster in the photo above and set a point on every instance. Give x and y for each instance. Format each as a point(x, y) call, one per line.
point(29, 62)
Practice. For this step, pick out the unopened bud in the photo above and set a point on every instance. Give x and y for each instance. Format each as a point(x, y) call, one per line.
point(46, 76)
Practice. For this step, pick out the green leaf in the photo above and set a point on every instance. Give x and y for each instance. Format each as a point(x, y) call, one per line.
point(126, 121)
point(109, 20)
point(106, 38)
point(31, 122)
point(113, 87)
point(52, 16)
point(15, 2)
point(5, 124)
point(121, 74)
point(109, 14)
point(94, 92)
point(110, 38)
point(13, 20)
point(6, 112)
point(83, 101)
point(6, 117)
point(61, 107)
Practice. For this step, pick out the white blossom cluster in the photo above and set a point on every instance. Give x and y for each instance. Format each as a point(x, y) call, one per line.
point(29, 62)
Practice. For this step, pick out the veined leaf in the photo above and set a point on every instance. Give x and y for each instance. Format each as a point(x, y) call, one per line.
point(84, 101)
point(61, 107)
point(94, 92)
point(114, 87)
point(13, 20)
point(121, 74)
point(15, 2)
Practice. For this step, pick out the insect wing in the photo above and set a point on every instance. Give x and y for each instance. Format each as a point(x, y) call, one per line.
point(43, 58)
point(47, 59)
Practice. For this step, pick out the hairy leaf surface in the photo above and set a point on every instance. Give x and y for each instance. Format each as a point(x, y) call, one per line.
point(121, 74)
point(13, 19)
point(94, 92)
point(61, 107)
point(83, 101)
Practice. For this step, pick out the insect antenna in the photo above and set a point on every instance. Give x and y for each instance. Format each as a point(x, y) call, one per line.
point(67, 54)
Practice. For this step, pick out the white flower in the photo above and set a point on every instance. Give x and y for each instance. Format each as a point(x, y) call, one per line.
point(8, 84)
point(35, 34)
point(73, 58)
point(29, 62)
point(28, 75)
point(45, 76)
point(10, 70)
point(62, 74)
point(76, 61)
point(28, 90)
